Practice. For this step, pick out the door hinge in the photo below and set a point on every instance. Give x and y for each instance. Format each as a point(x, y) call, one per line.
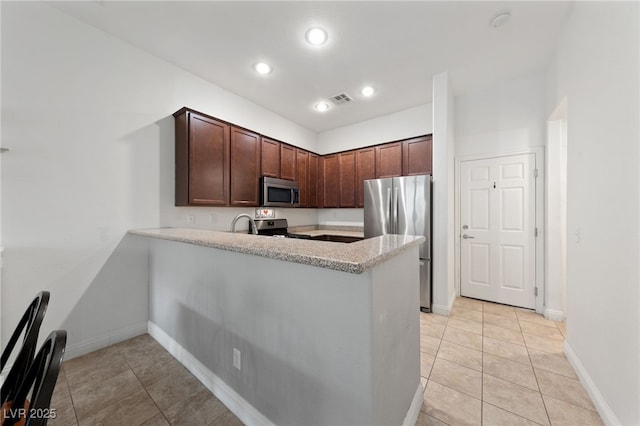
point(535, 232)
point(535, 173)
point(535, 291)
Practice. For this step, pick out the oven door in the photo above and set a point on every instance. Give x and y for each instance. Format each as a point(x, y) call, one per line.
point(280, 193)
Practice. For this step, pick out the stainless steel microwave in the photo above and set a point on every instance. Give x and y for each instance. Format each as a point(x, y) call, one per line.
point(279, 193)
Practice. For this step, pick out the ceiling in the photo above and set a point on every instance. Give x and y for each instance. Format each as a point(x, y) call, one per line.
point(396, 47)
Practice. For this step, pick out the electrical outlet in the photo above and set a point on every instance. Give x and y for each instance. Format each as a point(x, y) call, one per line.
point(191, 219)
point(237, 362)
point(213, 219)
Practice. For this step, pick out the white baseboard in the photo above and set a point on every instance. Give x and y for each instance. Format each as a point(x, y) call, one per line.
point(229, 397)
point(105, 340)
point(606, 413)
point(444, 309)
point(554, 314)
point(414, 409)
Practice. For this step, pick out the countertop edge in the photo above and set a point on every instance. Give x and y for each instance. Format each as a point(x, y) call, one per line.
point(356, 258)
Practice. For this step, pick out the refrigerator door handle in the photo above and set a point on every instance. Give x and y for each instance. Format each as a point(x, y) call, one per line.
point(389, 210)
point(395, 210)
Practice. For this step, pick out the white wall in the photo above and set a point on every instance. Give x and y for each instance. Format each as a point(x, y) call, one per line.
point(443, 195)
point(341, 217)
point(597, 70)
point(507, 117)
point(88, 121)
point(411, 122)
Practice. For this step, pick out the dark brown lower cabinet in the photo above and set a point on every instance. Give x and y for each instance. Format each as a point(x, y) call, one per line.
point(245, 167)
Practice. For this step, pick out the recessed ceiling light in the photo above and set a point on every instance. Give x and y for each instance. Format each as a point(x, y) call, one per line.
point(500, 18)
point(262, 68)
point(316, 36)
point(367, 91)
point(322, 107)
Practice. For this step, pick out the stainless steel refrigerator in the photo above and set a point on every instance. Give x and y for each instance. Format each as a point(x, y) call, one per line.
point(402, 205)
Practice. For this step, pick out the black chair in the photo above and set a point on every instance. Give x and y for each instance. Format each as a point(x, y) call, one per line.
point(32, 400)
point(30, 325)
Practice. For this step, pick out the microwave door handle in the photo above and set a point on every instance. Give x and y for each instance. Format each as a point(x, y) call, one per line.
point(293, 195)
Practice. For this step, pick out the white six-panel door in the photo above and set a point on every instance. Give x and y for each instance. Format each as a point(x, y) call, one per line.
point(497, 235)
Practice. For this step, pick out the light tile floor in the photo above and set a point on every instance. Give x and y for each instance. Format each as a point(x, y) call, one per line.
point(489, 364)
point(486, 364)
point(136, 382)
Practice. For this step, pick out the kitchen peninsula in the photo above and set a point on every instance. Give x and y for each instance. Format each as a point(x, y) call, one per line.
point(291, 331)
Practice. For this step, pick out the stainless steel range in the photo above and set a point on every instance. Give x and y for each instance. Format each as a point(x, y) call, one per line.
point(279, 228)
point(276, 228)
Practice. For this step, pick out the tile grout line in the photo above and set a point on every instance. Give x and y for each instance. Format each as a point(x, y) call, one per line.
point(546, 411)
point(524, 387)
point(73, 406)
point(134, 375)
point(148, 394)
point(544, 404)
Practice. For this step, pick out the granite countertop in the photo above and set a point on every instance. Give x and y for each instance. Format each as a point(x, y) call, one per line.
point(355, 258)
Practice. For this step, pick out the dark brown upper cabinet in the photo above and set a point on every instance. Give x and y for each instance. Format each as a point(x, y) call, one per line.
point(270, 157)
point(389, 160)
point(287, 162)
point(202, 160)
point(313, 180)
point(245, 167)
point(348, 179)
point(302, 172)
point(365, 169)
point(330, 180)
point(417, 156)
point(219, 164)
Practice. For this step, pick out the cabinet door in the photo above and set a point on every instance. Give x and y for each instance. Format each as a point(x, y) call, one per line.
point(365, 169)
point(417, 156)
point(312, 200)
point(330, 181)
point(245, 167)
point(202, 160)
point(302, 172)
point(389, 160)
point(270, 158)
point(348, 179)
point(287, 162)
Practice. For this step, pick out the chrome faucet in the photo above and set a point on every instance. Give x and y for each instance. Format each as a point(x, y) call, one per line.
point(251, 221)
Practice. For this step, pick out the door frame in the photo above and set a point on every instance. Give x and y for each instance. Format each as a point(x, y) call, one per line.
point(539, 269)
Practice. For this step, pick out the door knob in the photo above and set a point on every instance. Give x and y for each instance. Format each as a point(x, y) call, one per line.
point(466, 237)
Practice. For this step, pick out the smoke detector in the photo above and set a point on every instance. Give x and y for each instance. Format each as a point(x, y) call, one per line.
point(340, 98)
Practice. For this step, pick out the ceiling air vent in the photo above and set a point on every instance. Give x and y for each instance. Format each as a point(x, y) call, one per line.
point(340, 98)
